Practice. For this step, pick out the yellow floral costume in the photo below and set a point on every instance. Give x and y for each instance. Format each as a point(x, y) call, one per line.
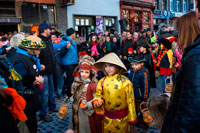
point(116, 93)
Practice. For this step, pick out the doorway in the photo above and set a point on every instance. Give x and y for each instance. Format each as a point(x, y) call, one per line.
point(84, 31)
point(8, 28)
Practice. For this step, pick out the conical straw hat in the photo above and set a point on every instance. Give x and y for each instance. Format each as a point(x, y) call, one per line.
point(111, 58)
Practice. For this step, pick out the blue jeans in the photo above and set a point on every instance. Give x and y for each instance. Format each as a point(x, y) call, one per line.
point(47, 95)
point(162, 80)
point(60, 83)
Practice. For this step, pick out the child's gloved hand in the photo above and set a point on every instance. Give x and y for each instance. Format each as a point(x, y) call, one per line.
point(97, 103)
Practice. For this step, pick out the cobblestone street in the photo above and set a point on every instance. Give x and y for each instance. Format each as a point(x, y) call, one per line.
point(60, 126)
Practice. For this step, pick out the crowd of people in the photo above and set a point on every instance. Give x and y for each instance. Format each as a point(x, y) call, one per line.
point(108, 77)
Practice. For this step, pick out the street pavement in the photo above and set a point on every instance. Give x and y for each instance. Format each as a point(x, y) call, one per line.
point(60, 126)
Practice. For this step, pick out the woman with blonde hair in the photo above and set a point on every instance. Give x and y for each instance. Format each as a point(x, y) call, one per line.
point(183, 114)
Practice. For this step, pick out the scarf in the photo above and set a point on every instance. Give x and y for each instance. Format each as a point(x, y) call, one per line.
point(107, 47)
point(18, 105)
point(94, 43)
point(160, 56)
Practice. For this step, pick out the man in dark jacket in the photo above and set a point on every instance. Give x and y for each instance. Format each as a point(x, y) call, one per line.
point(127, 43)
point(47, 58)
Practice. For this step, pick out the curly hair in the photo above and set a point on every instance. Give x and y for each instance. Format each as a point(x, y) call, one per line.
point(16, 40)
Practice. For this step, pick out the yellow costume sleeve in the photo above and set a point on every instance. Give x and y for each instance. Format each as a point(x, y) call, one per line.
point(170, 57)
point(132, 117)
point(98, 96)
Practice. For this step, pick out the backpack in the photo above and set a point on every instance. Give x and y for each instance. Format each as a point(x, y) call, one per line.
point(13, 79)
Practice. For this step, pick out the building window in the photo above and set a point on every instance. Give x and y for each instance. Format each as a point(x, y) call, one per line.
point(164, 5)
point(156, 4)
point(47, 13)
point(171, 5)
point(178, 5)
point(30, 13)
point(36, 13)
point(184, 6)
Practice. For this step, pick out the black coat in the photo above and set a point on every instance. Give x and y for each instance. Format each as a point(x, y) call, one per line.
point(47, 56)
point(7, 122)
point(150, 66)
point(127, 43)
point(183, 115)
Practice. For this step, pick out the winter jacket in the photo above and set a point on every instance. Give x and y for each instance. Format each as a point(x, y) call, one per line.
point(71, 56)
point(127, 43)
point(150, 66)
point(166, 63)
point(26, 67)
point(47, 56)
point(141, 83)
point(183, 112)
point(7, 123)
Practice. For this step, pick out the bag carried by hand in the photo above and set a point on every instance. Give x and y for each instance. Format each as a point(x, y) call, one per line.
point(168, 85)
point(145, 113)
point(64, 109)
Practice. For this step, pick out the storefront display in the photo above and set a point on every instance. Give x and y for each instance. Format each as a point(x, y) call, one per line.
point(139, 16)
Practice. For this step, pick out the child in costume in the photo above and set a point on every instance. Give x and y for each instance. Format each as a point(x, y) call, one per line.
point(83, 89)
point(115, 96)
point(130, 54)
point(140, 78)
point(165, 61)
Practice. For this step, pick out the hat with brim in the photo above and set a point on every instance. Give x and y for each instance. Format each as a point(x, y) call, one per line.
point(166, 43)
point(136, 59)
point(111, 58)
point(33, 42)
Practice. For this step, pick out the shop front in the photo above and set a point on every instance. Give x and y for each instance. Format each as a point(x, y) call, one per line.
point(160, 16)
point(101, 16)
point(85, 24)
point(137, 14)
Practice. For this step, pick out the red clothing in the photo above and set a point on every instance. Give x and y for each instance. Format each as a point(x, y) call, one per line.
point(95, 120)
point(165, 71)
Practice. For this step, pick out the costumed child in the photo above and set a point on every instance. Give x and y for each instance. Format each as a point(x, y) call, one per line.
point(114, 98)
point(165, 61)
point(130, 54)
point(83, 89)
point(140, 78)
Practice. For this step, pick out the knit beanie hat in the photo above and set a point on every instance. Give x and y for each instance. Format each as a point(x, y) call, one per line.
point(130, 50)
point(70, 31)
point(44, 26)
